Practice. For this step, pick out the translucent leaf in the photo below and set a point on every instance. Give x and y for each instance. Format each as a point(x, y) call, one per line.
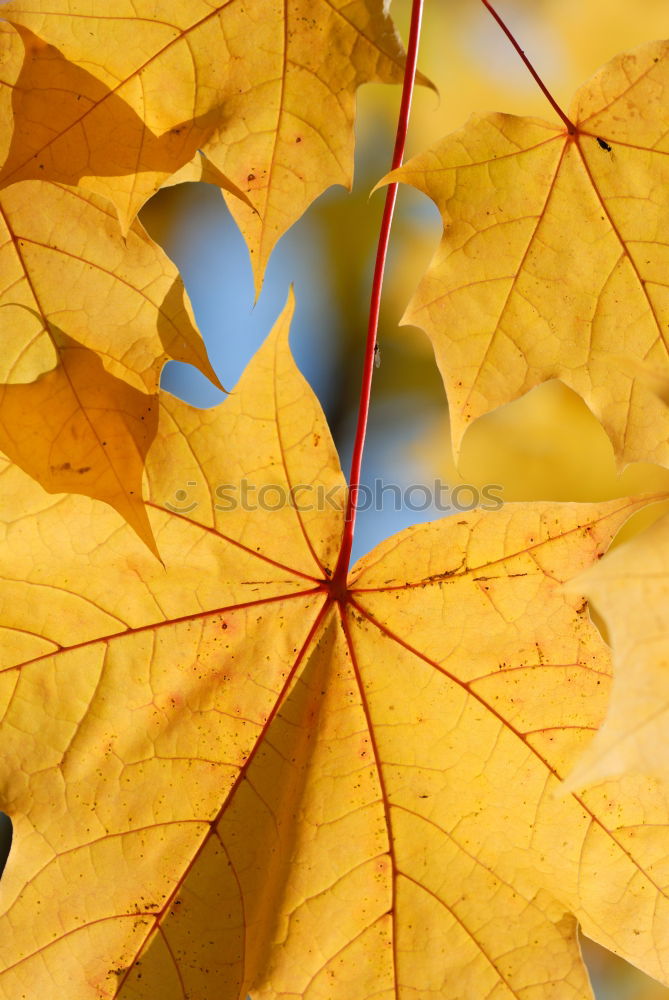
point(554, 256)
point(224, 781)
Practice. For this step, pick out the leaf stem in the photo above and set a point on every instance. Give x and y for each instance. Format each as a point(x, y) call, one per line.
point(338, 583)
point(571, 128)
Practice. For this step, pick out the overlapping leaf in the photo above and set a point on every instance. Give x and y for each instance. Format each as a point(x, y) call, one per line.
point(553, 262)
point(630, 589)
point(118, 98)
point(223, 781)
point(88, 319)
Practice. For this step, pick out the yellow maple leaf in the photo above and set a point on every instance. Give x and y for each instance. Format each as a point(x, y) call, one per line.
point(88, 320)
point(224, 780)
point(119, 98)
point(630, 589)
point(553, 258)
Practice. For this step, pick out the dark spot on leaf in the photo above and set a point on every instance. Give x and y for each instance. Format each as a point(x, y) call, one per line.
point(6, 833)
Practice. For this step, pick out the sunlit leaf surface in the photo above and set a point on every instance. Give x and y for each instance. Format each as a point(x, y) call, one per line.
point(224, 781)
point(553, 262)
point(118, 97)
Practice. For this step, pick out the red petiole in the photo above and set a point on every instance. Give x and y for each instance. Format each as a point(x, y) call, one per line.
point(338, 583)
point(571, 128)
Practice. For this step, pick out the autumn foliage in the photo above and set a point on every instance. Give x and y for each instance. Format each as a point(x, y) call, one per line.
point(233, 764)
